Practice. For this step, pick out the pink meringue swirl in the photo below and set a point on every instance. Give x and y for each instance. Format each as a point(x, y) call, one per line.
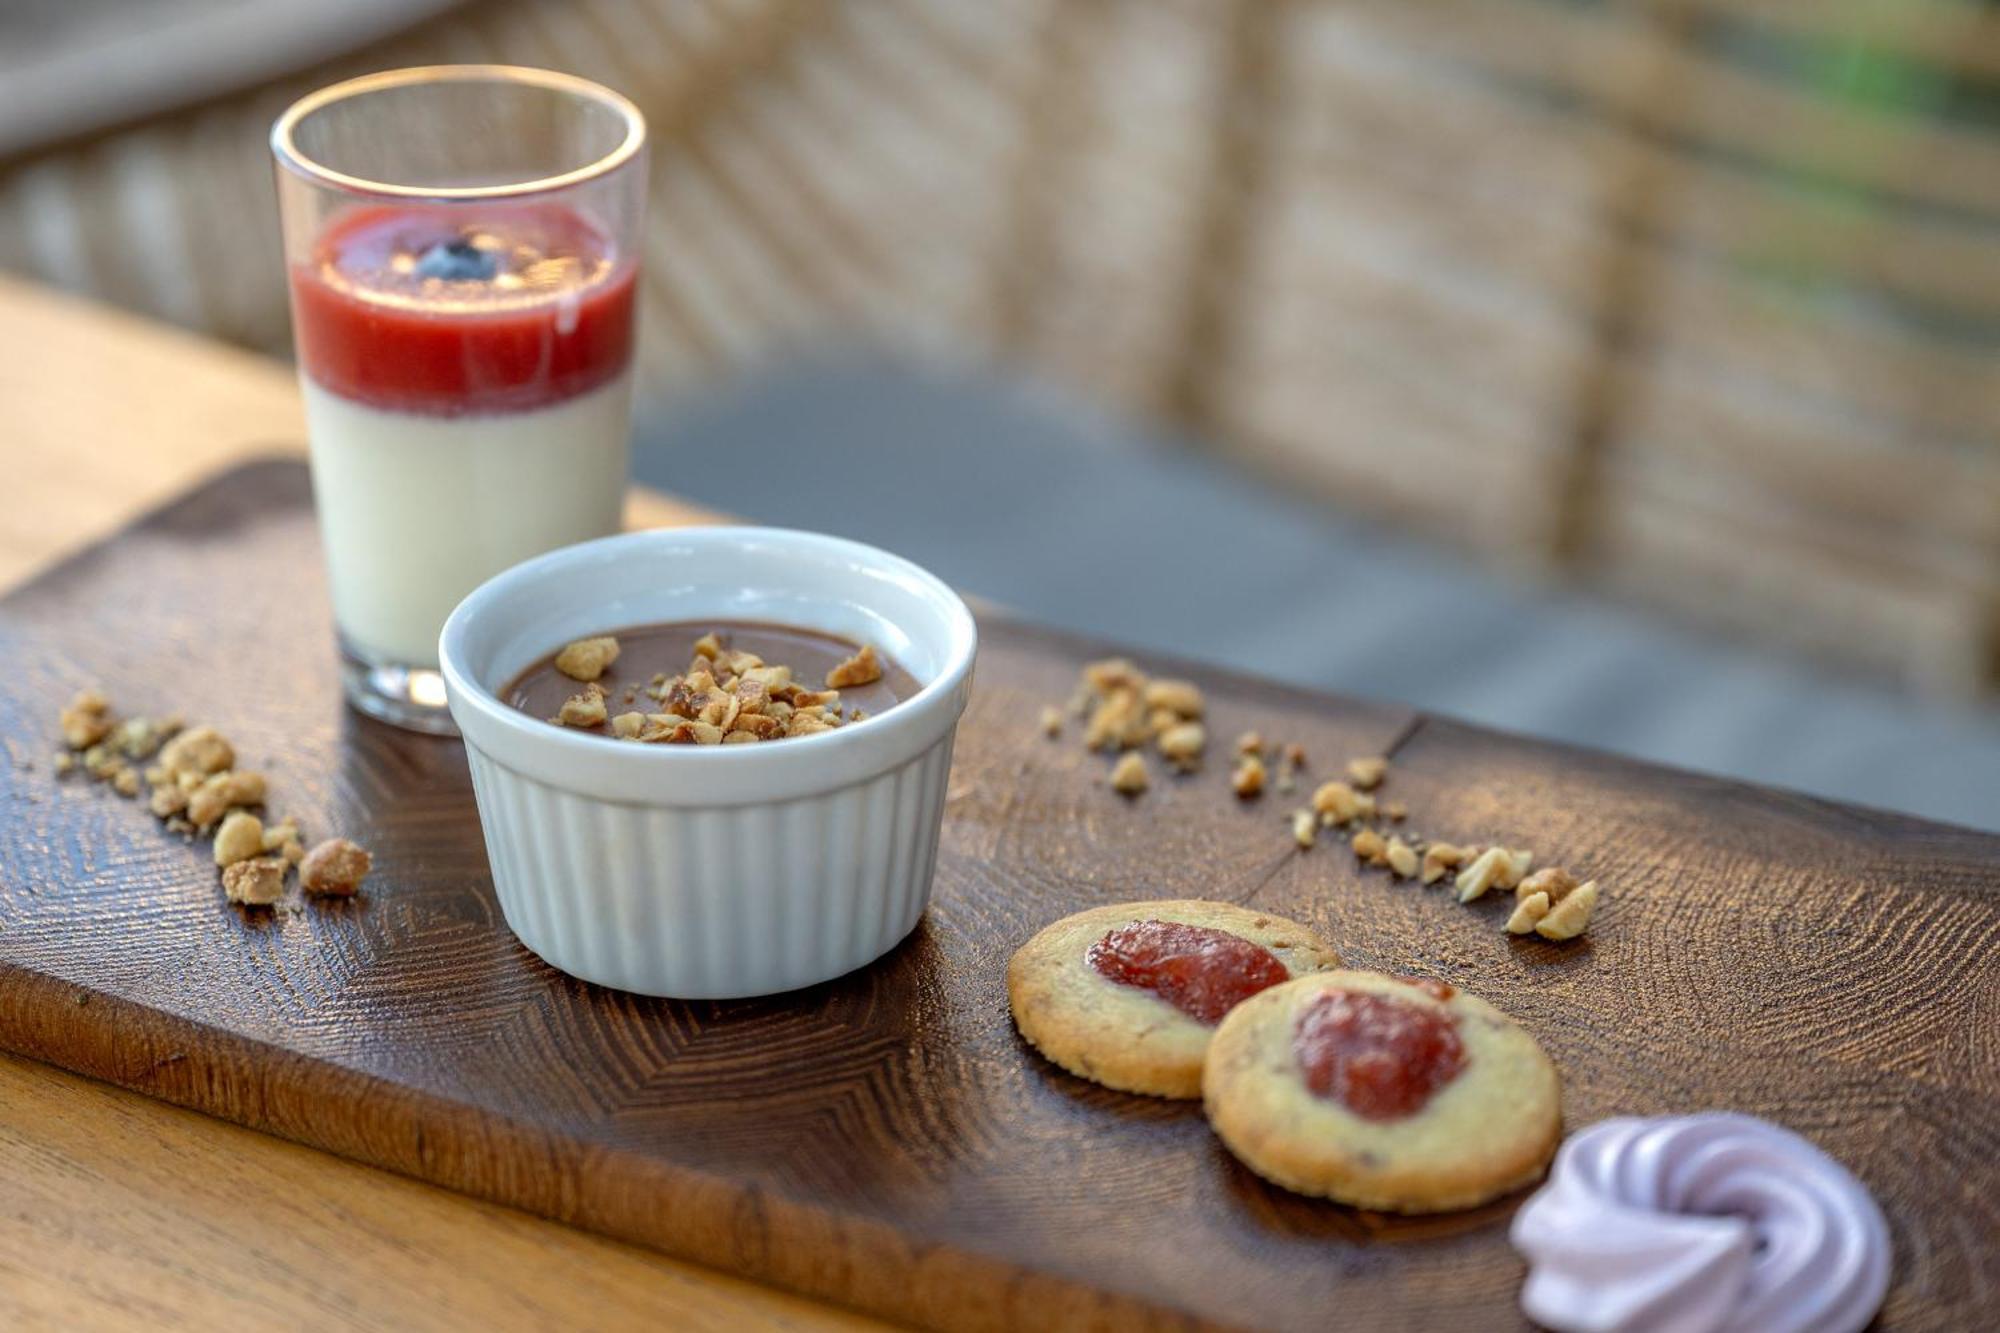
point(1699, 1224)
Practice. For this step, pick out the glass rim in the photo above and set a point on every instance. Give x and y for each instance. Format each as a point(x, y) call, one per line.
point(285, 148)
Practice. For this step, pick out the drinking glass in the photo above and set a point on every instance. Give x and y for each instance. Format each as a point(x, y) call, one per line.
point(462, 244)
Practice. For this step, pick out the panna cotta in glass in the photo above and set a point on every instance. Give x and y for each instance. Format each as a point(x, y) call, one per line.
point(463, 314)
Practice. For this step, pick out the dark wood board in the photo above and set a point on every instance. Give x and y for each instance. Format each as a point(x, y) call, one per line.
point(885, 1140)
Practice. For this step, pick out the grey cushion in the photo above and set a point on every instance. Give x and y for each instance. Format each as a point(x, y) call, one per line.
point(1041, 504)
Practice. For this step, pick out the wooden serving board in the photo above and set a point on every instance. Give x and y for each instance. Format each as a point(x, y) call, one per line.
point(886, 1140)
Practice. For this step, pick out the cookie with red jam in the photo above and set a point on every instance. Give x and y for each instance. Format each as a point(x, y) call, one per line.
point(1129, 995)
point(1394, 1093)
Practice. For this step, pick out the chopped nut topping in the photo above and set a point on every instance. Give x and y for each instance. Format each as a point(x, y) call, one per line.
point(627, 726)
point(167, 801)
point(1438, 858)
point(1128, 776)
point(64, 762)
point(1305, 828)
point(1052, 720)
point(587, 659)
point(585, 709)
point(1248, 779)
point(240, 838)
point(1250, 743)
point(1527, 912)
point(126, 781)
point(864, 668)
point(1568, 918)
point(334, 868)
point(1402, 858)
point(1396, 811)
point(218, 795)
point(1367, 774)
point(1369, 846)
point(258, 882)
point(1180, 697)
point(708, 645)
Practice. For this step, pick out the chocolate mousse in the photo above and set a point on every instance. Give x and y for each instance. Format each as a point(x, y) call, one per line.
point(710, 683)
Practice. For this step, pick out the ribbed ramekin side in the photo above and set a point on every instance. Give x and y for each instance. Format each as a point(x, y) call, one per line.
point(714, 902)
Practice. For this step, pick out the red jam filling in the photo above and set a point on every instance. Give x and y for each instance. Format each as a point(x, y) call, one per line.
point(1380, 1057)
point(431, 309)
point(1200, 971)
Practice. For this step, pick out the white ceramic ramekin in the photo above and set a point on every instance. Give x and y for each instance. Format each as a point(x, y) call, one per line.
point(710, 872)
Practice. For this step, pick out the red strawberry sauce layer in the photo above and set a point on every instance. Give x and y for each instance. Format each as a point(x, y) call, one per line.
point(438, 310)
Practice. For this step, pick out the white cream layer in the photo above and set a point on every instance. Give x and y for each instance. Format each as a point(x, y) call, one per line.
point(416, 511)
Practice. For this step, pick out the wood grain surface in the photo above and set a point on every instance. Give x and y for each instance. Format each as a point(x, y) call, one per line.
point(885, 1140)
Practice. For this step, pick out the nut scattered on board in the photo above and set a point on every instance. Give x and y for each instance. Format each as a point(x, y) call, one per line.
point(1528, 910)
point(1367, 774)
point(258, 882)
point(335, 868)
point(194, 787)
point(1568, 918)
point(1124, 710)
point(240, 838)
point(1337, 802)
point(1128, 775)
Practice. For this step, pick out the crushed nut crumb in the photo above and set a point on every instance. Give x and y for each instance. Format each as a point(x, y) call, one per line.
point(1402, 858)
point(1438, 858)
point(1128, 776)
point(1483, 874)
point(257, 882)
point(584, 709)
point(1179, 697)
point(1369, 846)
point(1248, 779)
point(1338, 803)
point(1052, 721)
point(864, 668)
point(587, 659)
point(1182, 744)
point(1527, 912)
point(1568, 919)
point(87, 719)
point(1367, 774)
point(218, 795)
point(240, 838)
point(334, 868)
point(1556, 882)
point(1305, 828)
point(197, 752)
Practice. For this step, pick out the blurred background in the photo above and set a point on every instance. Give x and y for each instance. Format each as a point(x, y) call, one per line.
point(1622, 371)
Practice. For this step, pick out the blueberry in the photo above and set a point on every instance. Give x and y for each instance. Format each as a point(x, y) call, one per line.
point(458, 260)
